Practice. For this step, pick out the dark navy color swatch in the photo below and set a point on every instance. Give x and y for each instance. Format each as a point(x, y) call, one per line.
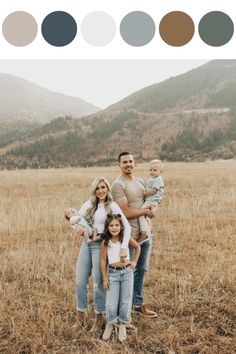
point(59, 28)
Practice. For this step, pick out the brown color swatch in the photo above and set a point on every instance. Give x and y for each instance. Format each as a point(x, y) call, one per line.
point(176, 28)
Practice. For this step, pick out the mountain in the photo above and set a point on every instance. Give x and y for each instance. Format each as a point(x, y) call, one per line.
point(210, 85)
point(188, 117)
point(22, 99)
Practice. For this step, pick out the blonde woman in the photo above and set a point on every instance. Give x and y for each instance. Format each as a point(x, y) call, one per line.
point(95, 211)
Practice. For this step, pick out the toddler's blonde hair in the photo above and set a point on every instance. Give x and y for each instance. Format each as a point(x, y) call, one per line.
point(159, 163)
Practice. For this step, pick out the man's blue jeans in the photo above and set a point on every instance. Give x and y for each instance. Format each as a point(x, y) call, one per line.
point(119, 295)
point(141, 268)
point(89, 262)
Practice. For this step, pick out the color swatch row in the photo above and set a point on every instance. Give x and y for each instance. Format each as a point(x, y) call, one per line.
point(137, 28)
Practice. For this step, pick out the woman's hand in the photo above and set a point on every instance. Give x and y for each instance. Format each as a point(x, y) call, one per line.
point(79, 230)
point(106, 283)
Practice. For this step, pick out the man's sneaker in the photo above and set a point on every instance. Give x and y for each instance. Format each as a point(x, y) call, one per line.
point(142, 309)
point(122, 333)
point(143, 238)
point(108, 331)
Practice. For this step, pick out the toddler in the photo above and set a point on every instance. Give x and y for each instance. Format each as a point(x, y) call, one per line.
point(152, 197)
point(79, 223)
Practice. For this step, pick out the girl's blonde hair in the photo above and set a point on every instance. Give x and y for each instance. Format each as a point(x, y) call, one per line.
point(94, 199)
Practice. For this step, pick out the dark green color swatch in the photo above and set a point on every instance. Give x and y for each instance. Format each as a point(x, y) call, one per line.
point(216, 28)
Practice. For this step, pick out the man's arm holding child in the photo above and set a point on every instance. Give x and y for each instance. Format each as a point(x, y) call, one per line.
point(121, 199)
point(131, 212)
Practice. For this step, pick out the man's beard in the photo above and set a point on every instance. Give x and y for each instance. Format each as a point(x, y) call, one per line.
point(128, 171)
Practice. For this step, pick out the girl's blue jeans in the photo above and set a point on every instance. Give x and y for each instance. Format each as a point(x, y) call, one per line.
point(119, 295)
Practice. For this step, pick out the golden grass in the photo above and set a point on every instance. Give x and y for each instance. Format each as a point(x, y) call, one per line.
point(192, 277)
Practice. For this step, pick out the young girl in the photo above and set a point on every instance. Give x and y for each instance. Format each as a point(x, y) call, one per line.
point(117, 277)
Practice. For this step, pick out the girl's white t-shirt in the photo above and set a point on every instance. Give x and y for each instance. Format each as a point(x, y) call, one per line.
point(113, 252)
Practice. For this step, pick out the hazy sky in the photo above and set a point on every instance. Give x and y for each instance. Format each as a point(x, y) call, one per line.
point(101, 82)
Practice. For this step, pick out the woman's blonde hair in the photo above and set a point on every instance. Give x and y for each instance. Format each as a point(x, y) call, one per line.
point(94, 199)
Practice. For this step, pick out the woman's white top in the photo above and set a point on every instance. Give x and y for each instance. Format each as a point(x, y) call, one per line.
point(113, 252)
point(100, 217)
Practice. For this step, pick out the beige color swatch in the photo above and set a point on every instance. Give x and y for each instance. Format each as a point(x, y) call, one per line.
point(19, 28)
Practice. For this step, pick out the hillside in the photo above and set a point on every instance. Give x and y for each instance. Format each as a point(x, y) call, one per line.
point(188, 117)
point(22, 99)
point(210, 85)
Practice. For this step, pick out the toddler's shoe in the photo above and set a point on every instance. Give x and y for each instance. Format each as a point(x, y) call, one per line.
point(143, 238)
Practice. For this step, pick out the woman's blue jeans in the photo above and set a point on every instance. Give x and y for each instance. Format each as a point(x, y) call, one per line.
point(119, 295)
point(88, 263)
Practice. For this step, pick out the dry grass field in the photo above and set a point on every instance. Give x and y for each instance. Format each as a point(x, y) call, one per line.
point(192, 277)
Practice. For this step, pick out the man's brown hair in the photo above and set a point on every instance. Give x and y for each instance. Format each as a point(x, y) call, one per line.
point(123, 154)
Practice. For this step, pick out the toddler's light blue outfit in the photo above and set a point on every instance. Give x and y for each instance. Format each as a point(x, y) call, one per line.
point(151, 200)
point(80, 220)
point(158, 183)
